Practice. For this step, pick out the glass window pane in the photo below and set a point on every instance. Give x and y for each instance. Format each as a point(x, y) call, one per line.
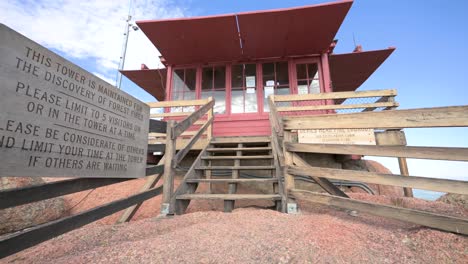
point(184, 80)
point(237, 76)
point(220, 102)
point(314, 87)
point(207, 78)
point(191, 78)
point(268, 72)
point(237, 101)
point(220, 77)
point(250, 69)
point(250, 101)
point(301, 71)
point(312, 70)
point(178, 81)
point(282, 73)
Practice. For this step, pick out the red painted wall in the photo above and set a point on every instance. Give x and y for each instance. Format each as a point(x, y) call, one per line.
point(257, 124)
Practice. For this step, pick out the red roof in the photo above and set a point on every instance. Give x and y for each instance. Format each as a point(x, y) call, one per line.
point(273, 33)
point(350, 70)
point(153, 81)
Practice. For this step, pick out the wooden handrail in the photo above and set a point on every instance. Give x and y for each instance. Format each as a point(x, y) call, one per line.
point(192, 118)
point(334, 95)
point(434, 153)
point(442, 222)
point(425, 183)
point(336, 107)
point(452, 116)
point(177, 103)
point(183, 152)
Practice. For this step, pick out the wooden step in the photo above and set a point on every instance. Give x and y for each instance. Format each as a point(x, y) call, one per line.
point(237, 157)
point(202, 196)
point(230, 140)
point(238, 149)
point(231, 180)
point(235, 168)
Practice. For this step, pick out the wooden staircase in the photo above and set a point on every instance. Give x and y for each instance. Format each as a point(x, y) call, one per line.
point(231, 162)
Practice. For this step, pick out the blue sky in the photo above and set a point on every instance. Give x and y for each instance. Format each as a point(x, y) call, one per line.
point(429, 67)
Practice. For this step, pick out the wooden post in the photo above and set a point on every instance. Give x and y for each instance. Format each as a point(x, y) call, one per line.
point(288, 178)
point(232, 188)
point(404, 171)
point(151, 181)
point(168, 186)
point(209, 132)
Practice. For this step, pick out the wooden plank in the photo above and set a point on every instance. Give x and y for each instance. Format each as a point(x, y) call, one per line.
point(266, 180)
point(436, 153)
point(380, 100)
point(210, 115)
point(157, 126)
point(275, 118)
point(235, 140)
point(186, 133)
point(390, 138)
point(238, 149)
point(20, 196)
point(35, 235)
point(335, 95)
point(335, 107)
point(179, 206)
point(156, 148)
point(177, 103)
point(454, 116)
point(278, 171)
point(232, 197)
point(188, 121)
point(328, 186)
point(151, 170)
point(159, 115)
point(288, 160)
point(237, 157)
point(433, 220)
point(232, 187)
point(236, 168)
point(404, 171)
point(151, 181)
point(181, 154)
point(433, 184)
point(168, 171)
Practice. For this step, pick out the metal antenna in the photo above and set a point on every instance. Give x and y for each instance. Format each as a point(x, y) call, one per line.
point(128, 24)
point(354, 40)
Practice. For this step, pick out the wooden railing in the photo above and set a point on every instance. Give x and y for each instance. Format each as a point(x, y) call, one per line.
point(337, 101)
point(176, 129)
point(32, 236)
point(388, 121)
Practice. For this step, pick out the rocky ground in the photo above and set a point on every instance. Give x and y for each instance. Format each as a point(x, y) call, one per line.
point(319, 234)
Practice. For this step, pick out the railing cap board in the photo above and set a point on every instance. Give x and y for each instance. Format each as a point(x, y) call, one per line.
point(336, 107)
point(177, 103)
point(334, 95)
point(453, 116)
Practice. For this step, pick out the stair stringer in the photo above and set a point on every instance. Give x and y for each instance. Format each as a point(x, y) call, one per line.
point(180, 206)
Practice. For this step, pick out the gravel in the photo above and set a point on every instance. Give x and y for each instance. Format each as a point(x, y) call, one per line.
point(319, 234)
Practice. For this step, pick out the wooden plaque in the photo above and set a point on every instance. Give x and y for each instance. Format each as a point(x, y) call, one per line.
point(56, 119)
point(337, 136)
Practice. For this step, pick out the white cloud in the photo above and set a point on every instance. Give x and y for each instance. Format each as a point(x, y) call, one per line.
point(89, 29)
point(105, 78)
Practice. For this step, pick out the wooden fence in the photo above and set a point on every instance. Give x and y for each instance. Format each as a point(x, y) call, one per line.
point(284, 127)
point(18, 241)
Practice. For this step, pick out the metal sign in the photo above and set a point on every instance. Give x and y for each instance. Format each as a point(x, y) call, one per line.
point(56, 119)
